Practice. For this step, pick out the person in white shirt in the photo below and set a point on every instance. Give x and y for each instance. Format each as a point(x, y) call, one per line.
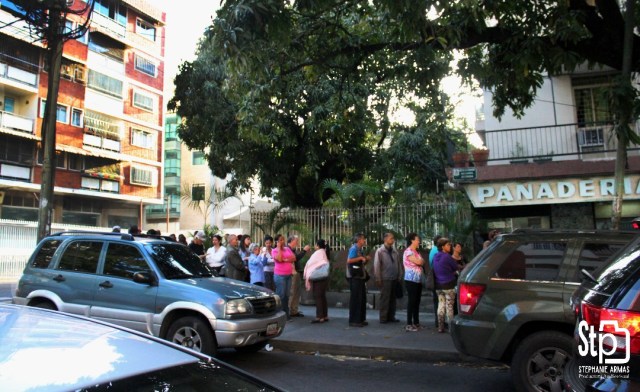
point(216, 255)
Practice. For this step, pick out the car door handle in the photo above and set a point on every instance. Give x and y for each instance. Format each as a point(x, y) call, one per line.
point(59, 278)
point(106, 284)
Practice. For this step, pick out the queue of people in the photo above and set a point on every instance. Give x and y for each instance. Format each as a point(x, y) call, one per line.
point(276, 264)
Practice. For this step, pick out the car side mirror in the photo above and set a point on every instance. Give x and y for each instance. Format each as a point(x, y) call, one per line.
point(144, 278)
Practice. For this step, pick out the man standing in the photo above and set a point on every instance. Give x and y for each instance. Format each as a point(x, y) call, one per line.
point(197, 244)
point(386, 270)
point(357, 276)
point(296, 278)
point(235, 266)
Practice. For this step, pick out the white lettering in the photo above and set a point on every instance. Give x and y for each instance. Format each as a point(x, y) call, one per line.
point(504, 194)
point(627, 186)
point(545, 191)
point(606, 188)
point(566, 189)
point(484, 192)
point(524, 192)
point(586, 188)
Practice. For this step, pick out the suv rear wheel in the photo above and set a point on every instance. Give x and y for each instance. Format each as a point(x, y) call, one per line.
point(193, 333)
point(539, 362)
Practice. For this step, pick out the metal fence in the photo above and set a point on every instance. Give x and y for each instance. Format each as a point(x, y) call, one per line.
point(19, 238)
point(338, 225)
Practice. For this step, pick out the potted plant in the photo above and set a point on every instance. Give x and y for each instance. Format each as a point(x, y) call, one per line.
point(541, 158)
point(460, 159)
point(480, 156)
point(518, 154)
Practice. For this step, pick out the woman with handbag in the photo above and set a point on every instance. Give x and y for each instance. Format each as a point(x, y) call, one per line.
point(284, 258)
point(413, 275)
point(316, 277)
point(445, 270)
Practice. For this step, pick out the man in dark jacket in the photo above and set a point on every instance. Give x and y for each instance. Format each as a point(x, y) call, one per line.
point(296, 279)
point(235, 266)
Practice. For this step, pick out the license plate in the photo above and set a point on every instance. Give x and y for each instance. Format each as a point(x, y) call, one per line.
point(272, 329)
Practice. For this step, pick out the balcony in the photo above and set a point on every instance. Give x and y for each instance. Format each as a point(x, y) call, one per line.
point(567, 150)
point(108, 26)
point(15, 172)
point(585, 142)
point(19, 75)
point(16, 123)
point(101, 134)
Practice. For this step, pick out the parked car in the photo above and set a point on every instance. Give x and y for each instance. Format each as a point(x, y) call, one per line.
point(513, 300)
point(607, 305)
point(150, 285)
point(43, 350)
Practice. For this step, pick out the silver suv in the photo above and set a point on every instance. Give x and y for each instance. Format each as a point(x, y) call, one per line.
point(150, 285)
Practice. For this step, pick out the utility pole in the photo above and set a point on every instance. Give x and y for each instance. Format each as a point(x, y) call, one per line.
point(55, 43)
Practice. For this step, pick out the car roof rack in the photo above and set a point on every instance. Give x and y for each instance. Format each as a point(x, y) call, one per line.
point(124, 236)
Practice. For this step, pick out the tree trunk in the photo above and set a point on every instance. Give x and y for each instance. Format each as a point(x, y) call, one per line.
point(623, 117)
point(54, 54)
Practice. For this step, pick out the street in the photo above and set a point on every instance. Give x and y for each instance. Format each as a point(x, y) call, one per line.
point(6, 290)
point(310, 372)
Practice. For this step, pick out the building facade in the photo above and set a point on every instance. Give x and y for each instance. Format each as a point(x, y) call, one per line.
point(109, 129)
point(554, 167)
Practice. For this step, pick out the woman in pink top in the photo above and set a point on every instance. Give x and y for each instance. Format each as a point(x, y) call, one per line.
point(284, 258)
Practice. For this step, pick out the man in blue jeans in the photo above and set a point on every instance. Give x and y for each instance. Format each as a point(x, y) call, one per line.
point(357, 277)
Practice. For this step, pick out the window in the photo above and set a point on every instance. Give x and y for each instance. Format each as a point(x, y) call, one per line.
point(198, 158)
point(172, 163)
point(62, 112)
point(171, 132)
point(112, 9)
point(45, 254)
point(77, 117)
point(84, 38)
point(592, 104)
point(142, 138)
point(145, 66)
point(590, 137)
point(593, 255)
point(60, 163)
point(124, 261)
point(142, 176)
point(15, 150)
point(104, 83)
point(145, 29)
point(197, 192)
point(9, 104)
point(75, 162)
point(81, 256)
point(539, 261)
point(143, 101)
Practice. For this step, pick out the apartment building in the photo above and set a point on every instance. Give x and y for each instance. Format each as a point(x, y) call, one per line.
point(109, 129)
point(554, 167)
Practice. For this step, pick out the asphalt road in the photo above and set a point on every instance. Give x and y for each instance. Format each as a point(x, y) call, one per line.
point(310, 372)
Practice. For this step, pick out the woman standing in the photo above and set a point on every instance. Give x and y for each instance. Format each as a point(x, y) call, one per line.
point(257, 261)
point(243, 250)
point(319, 258)
point(216, 255)
point(457, 254)
point(284, 258)
point(413, 262)
point(268, 268)
point(445, 270)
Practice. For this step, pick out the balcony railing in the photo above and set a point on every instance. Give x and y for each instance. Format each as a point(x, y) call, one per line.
point(560, 142)
point(15, 172)
point(108, 26)
point(18, 123)
point(102, 134)
point(18, 74)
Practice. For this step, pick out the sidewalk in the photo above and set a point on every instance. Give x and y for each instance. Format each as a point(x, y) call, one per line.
point(380, 341)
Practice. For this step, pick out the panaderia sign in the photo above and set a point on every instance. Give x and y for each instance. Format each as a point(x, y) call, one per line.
point(550, 191)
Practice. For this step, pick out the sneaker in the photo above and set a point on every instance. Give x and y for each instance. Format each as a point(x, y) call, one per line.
point(410, 328)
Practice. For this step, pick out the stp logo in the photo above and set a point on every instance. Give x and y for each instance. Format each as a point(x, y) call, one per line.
point(602, 345)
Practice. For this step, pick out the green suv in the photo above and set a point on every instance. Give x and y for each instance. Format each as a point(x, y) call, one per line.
point(513, 300)
point(151, 285)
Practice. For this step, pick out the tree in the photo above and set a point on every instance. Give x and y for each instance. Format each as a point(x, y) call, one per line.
point(508, 46)
point(210, 199)
point(46, 19)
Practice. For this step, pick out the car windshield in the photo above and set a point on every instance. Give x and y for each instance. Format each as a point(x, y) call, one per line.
point(176, 261)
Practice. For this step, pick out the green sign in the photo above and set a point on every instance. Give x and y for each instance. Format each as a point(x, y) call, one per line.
point(464, 174)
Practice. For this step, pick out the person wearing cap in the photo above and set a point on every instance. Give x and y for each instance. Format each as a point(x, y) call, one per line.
point(197, 244)
point(116, 229)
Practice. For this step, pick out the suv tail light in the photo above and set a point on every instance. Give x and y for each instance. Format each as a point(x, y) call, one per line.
point(626, 319)
point(469, 295)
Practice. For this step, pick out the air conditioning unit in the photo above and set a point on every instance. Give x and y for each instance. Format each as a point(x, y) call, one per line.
point(66, 71)
point(590, 137)
point(80, 73)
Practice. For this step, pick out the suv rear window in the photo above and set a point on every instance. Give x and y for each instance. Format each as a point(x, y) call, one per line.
point(593, 255)
point(45, 254)
point(538, 261)
point(81, 256)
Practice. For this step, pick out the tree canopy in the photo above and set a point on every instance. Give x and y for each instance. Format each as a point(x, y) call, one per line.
point(296, 93)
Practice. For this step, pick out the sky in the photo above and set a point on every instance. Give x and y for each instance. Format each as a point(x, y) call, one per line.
point(186, 22)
